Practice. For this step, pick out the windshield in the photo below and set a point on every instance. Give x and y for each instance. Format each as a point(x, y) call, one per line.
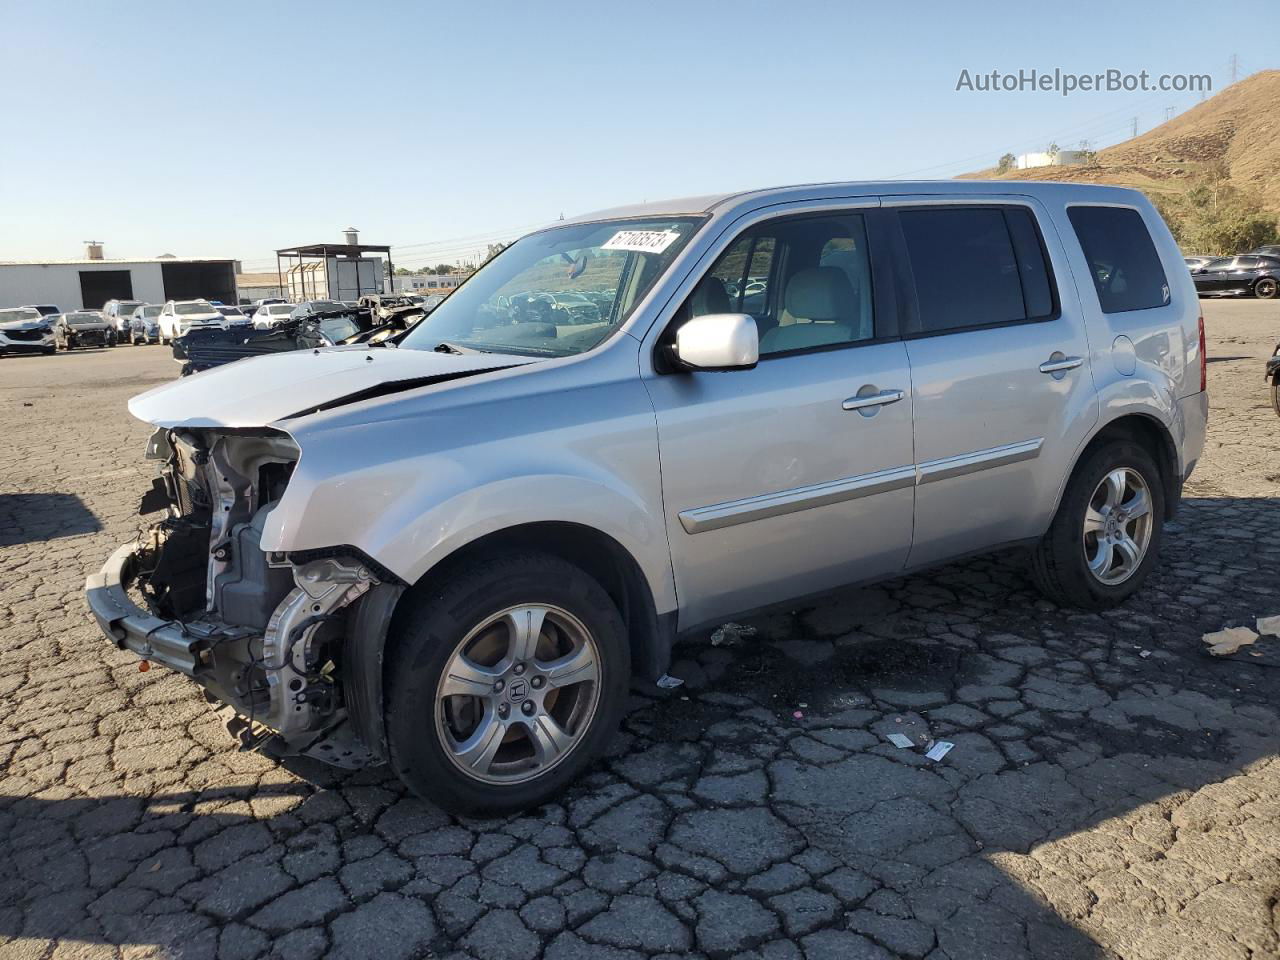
point(338, 328)
point(20, 315)
point(515, 303)
point(323, 306)
point(83, 319)
point(230, 311)
point(127, 306)
point(279, 309)
point(152, 311)
point(193, 309)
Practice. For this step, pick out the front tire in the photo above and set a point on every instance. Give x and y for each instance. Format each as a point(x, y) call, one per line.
point(1266, 289)
point(1105, 537)
point(505, 679)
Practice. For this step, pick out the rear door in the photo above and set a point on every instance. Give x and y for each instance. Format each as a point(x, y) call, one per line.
point(1002, 392)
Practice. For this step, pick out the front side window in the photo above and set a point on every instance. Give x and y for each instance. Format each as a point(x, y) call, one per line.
point(1122, 259)
point(806, 281)
point(510, 304)
point(976, 267)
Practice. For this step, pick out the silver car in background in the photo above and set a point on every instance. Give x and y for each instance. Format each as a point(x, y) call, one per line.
point(456, 554)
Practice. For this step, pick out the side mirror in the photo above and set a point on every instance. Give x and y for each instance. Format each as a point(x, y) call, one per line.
point(717, 341)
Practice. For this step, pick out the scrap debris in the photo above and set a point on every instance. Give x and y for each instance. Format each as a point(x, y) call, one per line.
point(939, 749)
point(901, 741)
point(731, 634)
point(668, 682)
point(1270, 626)
point(1223, 643)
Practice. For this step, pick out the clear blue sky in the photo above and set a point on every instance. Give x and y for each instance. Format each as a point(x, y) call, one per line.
point(231, 129)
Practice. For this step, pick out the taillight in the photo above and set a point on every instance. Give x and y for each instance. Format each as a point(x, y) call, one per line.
point(1204, 360)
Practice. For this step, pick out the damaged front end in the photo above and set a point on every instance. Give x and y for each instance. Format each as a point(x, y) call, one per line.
point(269, 635)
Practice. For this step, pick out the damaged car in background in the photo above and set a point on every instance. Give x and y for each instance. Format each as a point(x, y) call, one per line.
point(455, 555)
point(308, 327)
point(26, 330)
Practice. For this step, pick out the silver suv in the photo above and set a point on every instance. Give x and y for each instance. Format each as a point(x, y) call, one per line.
point(454, 553)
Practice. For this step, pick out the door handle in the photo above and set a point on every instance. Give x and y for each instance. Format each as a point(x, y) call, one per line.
point(1061, 364)
point(873, 400)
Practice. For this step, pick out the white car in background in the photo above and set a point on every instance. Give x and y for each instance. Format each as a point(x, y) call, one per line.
point(179, 316)
point(234, 315)
point(272, 314)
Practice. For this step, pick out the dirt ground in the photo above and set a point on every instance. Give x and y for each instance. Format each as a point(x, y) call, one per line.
point(1112, 790)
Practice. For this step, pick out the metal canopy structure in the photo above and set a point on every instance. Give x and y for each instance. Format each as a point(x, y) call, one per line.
point(323, 252)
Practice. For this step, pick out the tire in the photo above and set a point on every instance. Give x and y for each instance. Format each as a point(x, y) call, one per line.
point(1266, 289)
point(472, 609)
point(1275, 396)
point(1061, 561)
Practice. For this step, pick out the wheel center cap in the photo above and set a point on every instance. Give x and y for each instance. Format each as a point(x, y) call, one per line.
point(517, 690)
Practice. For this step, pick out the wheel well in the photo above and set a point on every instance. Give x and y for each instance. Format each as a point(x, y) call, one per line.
point(603, 558)
point(1151, 435)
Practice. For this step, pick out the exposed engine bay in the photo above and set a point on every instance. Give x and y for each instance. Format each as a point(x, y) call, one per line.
point(270, 626)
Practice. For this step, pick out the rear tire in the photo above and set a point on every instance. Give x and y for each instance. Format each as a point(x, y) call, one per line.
point(1266, 289)
point(1105, 537)
point(1275, 397)
point(504, 680)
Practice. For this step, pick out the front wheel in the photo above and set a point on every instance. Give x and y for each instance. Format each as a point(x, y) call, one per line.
point(1275, 397)
point(1266, 289)
point(504, 681)
point(1105, 537)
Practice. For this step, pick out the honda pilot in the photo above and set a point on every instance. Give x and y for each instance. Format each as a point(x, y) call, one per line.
point(454, 553)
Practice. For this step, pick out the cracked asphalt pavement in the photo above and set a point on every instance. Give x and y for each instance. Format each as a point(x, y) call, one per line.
point(1112, 790)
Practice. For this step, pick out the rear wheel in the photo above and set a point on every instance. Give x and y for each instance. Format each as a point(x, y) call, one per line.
point(504, 681)
point(1105, 537)
point(1275, 396)
point(1266, 289)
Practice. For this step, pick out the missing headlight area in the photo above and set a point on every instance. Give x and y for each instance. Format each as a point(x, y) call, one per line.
point(262, 632)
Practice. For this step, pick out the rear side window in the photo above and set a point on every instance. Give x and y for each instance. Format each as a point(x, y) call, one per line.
point(976, 267)
point(1122, 259)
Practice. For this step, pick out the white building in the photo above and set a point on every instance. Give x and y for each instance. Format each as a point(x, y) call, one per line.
point(88, 284)
point(1062, 158)
point(429, 282)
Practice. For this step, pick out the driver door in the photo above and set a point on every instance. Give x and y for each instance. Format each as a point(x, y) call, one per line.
point(796, 476)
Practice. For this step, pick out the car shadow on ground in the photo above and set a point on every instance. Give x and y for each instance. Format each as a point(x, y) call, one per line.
point(37, 517)
point(1111, 788)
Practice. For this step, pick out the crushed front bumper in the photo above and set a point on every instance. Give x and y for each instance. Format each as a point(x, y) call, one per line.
point(175, 645)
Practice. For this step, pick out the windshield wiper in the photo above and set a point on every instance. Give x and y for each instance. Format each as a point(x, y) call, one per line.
point(446, 347)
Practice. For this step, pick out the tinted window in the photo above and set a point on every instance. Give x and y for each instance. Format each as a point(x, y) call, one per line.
point(1122, 259)
point(966, 273)
point(1246, 263)
point(805, 280)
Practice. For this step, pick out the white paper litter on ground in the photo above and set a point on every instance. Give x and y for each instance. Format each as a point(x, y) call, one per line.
point(1223, 643)
point(1269, 626)
point(901, 741)
point(940, 750)
point(667, 682)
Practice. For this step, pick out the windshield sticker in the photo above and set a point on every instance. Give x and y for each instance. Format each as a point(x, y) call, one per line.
point(641, 241)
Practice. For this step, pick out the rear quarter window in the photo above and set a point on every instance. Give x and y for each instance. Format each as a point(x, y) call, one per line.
point(1122, 258)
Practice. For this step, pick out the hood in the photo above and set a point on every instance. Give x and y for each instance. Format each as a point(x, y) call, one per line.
point(41, 324)
point(261, 390)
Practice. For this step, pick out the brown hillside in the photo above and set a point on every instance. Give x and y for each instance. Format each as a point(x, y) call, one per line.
point(1237, 132)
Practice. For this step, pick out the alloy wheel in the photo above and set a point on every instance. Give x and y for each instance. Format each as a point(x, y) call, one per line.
point(518, 693)
point(1117, 526)
point(1265, 289)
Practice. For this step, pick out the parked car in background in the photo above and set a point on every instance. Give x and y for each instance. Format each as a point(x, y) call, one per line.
point(82, 328)
point(1267, 250)
point(452, 555)
point(1195, 262)
point(46, 309)
point(119, 314)
point(1272, 375)
point(1245, 274)
point(270, 314)
point(234, 316)
point(144, 325)
point(179, 316)
point(313, 308)
point(26, 330)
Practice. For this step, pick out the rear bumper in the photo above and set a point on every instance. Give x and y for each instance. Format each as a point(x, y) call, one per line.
point(129, 627)
point(1194, 412)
